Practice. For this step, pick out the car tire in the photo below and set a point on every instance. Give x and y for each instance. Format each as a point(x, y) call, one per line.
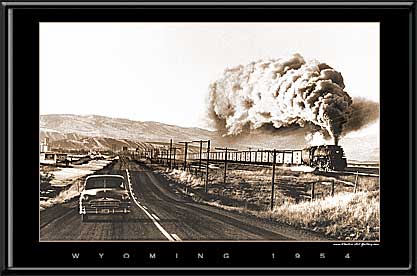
point(125, 217)
point(84, 218)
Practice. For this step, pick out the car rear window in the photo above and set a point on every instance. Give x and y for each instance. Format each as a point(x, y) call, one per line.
point(104, 182)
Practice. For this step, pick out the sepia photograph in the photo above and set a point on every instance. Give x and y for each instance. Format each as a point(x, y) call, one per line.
point(209, 132)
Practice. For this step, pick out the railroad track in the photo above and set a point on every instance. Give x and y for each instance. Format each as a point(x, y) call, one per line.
point(350, 170)
point(331, 173)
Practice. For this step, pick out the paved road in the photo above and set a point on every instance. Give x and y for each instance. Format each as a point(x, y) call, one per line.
point(160, 214)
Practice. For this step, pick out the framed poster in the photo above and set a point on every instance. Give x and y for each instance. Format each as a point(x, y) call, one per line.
point(215, 137)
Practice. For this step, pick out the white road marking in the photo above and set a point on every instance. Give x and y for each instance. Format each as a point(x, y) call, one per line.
point(175, 236)
point(156, 217)
point(163, 231)
point(145, 207)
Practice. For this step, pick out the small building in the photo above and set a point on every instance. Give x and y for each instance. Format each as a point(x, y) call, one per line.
point(44, 145)
point(53, 157)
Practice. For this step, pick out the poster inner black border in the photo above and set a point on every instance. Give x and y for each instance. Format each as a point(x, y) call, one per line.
point(393, 250)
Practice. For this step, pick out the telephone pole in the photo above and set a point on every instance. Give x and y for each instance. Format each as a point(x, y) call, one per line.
point(167, 152)
point(225, 161)
point(170, 149)
point(201, 151)
point(207, 166)
point(185, 153)
point(175, 151)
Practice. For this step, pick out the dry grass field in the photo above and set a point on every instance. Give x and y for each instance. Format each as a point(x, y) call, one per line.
point(345, 215)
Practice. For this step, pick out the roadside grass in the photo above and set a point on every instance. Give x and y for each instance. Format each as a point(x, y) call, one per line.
point(65, 188)
point(345, 216)
point(64, 196)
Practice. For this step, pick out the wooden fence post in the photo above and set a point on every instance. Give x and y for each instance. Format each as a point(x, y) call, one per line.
point(312, 191)
point(175, 153)
point(356, 182)
point(332, 187)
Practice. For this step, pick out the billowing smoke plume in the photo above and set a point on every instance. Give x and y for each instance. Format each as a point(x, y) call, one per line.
point(280, 92)
point(363, 113)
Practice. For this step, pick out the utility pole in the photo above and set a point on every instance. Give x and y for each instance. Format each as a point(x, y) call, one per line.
point(207, 165)
point(225, 161)
point(185, 153)
point(170, 148)
point(175, 151)
point(201, 151)
point(273, 179)
point(199, 157)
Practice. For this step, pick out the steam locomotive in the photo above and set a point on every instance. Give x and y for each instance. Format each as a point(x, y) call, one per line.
point(325, 157)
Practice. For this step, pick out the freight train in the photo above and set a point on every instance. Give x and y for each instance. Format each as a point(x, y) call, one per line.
point(323, 157)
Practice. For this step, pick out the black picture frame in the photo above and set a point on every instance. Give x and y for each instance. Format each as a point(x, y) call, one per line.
point(22, 254)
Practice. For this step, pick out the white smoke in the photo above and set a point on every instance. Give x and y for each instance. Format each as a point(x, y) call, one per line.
point(316, 139)
point(281, 92)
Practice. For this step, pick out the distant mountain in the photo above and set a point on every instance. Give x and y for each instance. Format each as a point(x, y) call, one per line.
point(99, 132)
point(54, 126)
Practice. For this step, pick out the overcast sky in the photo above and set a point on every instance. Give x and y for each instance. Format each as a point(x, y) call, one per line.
point(162, 71)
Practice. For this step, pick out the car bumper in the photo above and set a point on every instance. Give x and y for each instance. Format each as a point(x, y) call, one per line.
point(104, 211)
point(123, 209)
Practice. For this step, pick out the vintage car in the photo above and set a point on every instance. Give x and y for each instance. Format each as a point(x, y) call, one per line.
point(104, 195)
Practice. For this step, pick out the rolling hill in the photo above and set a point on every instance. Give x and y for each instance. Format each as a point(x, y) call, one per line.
point(75, 132)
